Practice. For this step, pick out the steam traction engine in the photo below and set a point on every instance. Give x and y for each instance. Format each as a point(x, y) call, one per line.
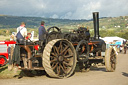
point(60, 52)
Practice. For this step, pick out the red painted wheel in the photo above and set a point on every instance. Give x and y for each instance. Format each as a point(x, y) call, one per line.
point(3, 60)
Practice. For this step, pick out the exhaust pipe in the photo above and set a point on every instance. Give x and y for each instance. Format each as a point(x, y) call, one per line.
point(96, 24)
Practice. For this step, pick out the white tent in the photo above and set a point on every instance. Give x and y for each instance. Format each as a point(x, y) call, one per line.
point(108, 40)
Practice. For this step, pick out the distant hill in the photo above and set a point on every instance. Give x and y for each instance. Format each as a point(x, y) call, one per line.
point(111, 23)
point(34, 22)
point(109, 26)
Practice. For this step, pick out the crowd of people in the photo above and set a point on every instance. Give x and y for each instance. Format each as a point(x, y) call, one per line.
point(20, 37)
point(122, 48)
point(22, 34)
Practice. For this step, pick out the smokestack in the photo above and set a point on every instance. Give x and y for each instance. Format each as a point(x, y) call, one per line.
point(96, 24)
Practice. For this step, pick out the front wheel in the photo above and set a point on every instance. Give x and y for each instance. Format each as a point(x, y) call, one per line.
point(110, 59)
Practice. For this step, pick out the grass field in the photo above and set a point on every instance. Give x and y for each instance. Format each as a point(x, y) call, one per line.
point(2, 38)
point(5, 73)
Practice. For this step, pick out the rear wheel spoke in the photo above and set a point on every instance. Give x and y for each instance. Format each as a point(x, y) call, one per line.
point(68, 56)
point(55, 66)
point(60, 46)
point(58, 69)
point(62, 68)
point(56, 50)
point(54, 54)
point(64, 49)
point(67, 64)
point(54, 60)
point(67, 60)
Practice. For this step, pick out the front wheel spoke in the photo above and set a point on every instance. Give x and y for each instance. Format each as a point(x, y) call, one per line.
point(113, 66)
point(113, 60)
point(113, 55)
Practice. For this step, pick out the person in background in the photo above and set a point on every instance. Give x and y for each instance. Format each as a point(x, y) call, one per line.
point(12, 37)
point(42, 39)
point(28, 36)
point(21, 33)
point(20, 37)
point(118, 48)
point(125, 48)
point(42, 31)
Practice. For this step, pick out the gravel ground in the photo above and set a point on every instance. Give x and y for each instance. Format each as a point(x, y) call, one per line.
point(96, 76)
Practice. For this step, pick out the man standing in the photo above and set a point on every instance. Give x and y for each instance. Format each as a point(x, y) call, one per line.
point(21, 33)
point(125, 46)
point(42, 37)
point(42, 32)
point(20, 37)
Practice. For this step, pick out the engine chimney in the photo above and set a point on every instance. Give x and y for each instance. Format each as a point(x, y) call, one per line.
point(96, 24)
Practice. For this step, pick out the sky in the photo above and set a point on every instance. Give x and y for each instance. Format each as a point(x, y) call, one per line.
point(64, 9)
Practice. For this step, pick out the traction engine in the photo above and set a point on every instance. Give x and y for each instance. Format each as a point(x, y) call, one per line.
point(60, 52)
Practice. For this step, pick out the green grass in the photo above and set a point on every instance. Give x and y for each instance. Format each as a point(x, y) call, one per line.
point(2, 38)
point(5, 73)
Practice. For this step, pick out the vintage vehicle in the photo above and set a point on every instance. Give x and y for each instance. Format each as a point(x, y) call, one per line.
point(4, 45)
point(60, 52)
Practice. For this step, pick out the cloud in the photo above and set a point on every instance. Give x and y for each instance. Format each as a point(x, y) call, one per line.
point(67, 9)
point(54, 16)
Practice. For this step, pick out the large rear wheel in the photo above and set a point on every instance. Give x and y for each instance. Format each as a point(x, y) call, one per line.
point(59, 58)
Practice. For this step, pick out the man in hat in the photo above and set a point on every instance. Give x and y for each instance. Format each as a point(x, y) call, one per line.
point(42, 31)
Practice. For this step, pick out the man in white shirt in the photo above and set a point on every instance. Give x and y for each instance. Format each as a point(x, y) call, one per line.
point(21, 33)
point(21, 36)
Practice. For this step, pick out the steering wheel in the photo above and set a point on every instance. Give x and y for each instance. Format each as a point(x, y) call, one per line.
point(53, 33)
point(53, 29)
